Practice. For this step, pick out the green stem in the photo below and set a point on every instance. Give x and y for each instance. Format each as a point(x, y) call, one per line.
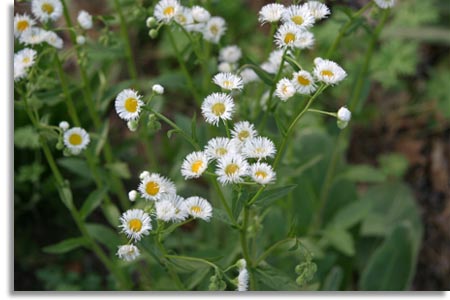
point(223, 200)
point(244, 246)
point(170, 270)
point(323, 112)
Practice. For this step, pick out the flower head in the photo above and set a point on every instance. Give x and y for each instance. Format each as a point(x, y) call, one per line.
point(214, 29)
point(258, 147)
point(85, 20)
point(171, 207)
point(299, 15)
point(135, 223)
point(128, 252)
point(271, 13)
point(288, 35)
point(33, 36)
point(328, 71)
point(76, 139)
point(128, 104)
point(384, 4)
point(200, 14)
point(242, 280)
point(216, 107)
point(26, 57)
point(154, 186)
point(243, 130)
point(228, 81)
point(219, 147)
point(317, 9)
point(274, 61)
point(46, 10)
point(22, 23)
point(54, 40)
point(158, 89)
point(231, 168)
point(230, 54)
point(262, 173)
point(184, 17)
point(303, 82)
point(166, 10)
point(194, 165)
point(199, 208)
point(305, 40)
point(248, 75)
point(285, 89)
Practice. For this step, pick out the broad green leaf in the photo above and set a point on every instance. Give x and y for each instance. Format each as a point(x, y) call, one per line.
point(351, 214)
point(26, 137)
point(333, 280)
point(75, 165)
point(275, 279)
point(271, 195)
point(120, 169)
point(92, 202)
point(112, 214)
point(104, 235)
point(340, 239)
point(363, 173)
point(66, 245)
point(394, 164)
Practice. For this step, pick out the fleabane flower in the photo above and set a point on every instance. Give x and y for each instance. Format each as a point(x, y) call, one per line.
point(285, 89)
point(194, 165)
point(33, 36)
point(200, 14)
point(135, 223)
point(198, 208)
point(262, 173)
point(46, 10)
point(228, 81)
point(214, 29)
point(318, 10)
point(22, 23)
point(216, 107)
point(328, 71)
point(128, 252)
point(76, 139)
point(303, 82)
point(384, 4)
point(271, 13)
point(305, 40)
point(54, 40)
point(166, 10)
point(128, 104)
point(243, 131)
point(248, 75)
point(154, 186)
point(298, 15)
point(219, 147)
point(171, 207)
point(230, 54)
point(184, 17)
point(85, 20)
point(231, 169)
point(26, 57)
point(287, 35)
point(258, 147)
point(19, 71)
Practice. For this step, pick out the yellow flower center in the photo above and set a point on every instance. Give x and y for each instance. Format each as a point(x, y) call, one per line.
point(214, 29)
point(75, 139)
point(196, 209)
point(135, 225)
point(227, 84)
point(261, 174)
point(243, 135)
point(218, 109)
point(327, 73)
point(221, 151)
point(196, 166)
point(181, 19)
point(22, 25)
point(152, 188)
point(231, 169)
point(303, 80)
point(169, 11)
point(297, 20)
point(289, 38)
point(26, 60)
point(47, 8)
point(131, 105)
point(259, 150)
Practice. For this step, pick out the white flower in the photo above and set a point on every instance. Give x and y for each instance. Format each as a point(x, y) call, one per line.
point(184, 17)
point(287, 35)
point(22, 23)
point(305, 40)
point(165, 210)
point(231, 169)
point(317, 9)
point(228, 81)
point(216, 107)
point(243, 130)
point(200, 14)
point(76, 139)
point(258, 147)
point(33, 36)
point(26, 57)
point(85, 20)
point(225, 67)
point(166, 10)
point(219, 147)
point(132, 195)
point(262, 173)
point(343, 114)
point(128, 104)
point(230, 54)
point(19, 71)
point(64, 125)
point(303, 82)
point(135, 223)
point(194, 165)
point(171, 207)
point(285, 89)
point(242, 280)
point(328, 71)
point(81, 40)
point(144, 174)
point(214, 29)
point(248, 75)
point(273, 64)
point(157, 88)
point(46, 10)
point(128, 252)
point(54, 40)
point(298, 15)
point(198, 208)
point(153, 186)
point(271, 13)
point(385, 3)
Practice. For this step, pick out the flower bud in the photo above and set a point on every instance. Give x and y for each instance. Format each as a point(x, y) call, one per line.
point(150, 22)
point(81, 40)
point(153, 33)
point(158, 89)
point(132, 195)
point(64, 125)
point(344, 114)
point(133, 125)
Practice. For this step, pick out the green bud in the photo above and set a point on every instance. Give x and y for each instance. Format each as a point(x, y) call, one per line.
point(221, 285)
point(213, 286)
point(66, 152)
point(133, 124)
point(150, 22)
point(60, 145)
point(341, 124)
point(153, 33)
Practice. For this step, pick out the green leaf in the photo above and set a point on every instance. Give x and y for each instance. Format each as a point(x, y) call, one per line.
point(221, 215)
point(75, 165)
point(333, 280)
point(112, 214)
point(275, 279)
point(103, 138)
point(394, 164)
point(92, 202)
point(340, 239)
point(104, 235)
point(271, 195)
point(185, 266)
point(65, 194)
point(351, 214)
point(391, 267)
point(363, 173)
point(26, 137)
point(30, 173)
point(120, 169)
point(66, 245)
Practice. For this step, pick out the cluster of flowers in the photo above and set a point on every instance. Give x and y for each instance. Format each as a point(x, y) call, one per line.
point(168, 207)
point(30, 35)
point(192, 19)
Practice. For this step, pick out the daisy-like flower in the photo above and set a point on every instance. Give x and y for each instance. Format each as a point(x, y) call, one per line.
point(248, 75)
point(262, 173)
point(128, 104)
point(231, 169)
point(54, 40)
point(166, 10)
point(243, 131)
point(328, 71)
point(153, 186)
point(194, 165)
point(26, 57)
point(219, 147)
point(165, 210)
point(135, 223)
point(299, 15)
point(287, 35)
point(258, 147)
point(384, 4)
point(200, 14)
point(228, 81)
point(22, 23)
point(271, 13)
point(85, 20)
point(274, 61)
point(216, 107)
point(317, 9)
point(214, 29)
point(33, 36)
point(230, 54)
point(19, 71)
point(144, 174)
point(285, 89)
point(199, 208)
point(184, 17)
point(171, 207)
point(76, 139)
point(128, 252)
point(305, 40)
point(46, 10)
point(303, 82)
